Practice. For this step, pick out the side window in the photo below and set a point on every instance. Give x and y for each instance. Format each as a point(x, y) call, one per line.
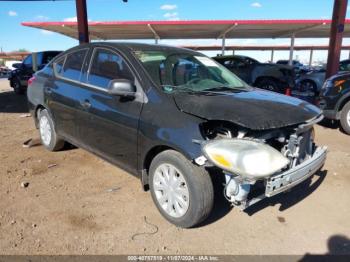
point(228, 64)
point(58, 65)
point(47, 57)
point(73, 65)
point(106, 66)
point(238, 63)
point(28, 62)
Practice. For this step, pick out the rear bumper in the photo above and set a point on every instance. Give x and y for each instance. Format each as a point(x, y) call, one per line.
point(290, 178)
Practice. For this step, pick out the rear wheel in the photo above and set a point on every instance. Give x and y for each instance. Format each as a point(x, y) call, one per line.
point(18, 89)
point(345, 118)
point(268, 84)
point(48, 135)
point(182, 192)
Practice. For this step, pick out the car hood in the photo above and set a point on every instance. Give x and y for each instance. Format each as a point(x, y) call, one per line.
point(256, 109)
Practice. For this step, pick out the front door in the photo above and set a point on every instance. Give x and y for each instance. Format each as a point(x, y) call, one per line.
point(108, 124)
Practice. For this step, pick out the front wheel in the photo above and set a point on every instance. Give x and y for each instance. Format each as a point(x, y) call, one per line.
point(345, 118)
point(182, 192)
point(48, 135)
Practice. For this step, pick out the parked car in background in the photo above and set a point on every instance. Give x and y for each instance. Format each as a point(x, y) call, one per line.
point(295, 63)
point(312, 81)
point(9, 64)
point(4, 71)
point(267, 76)
point(335, 99)
point(19, 77)
point(172, 117)
point(299, 68)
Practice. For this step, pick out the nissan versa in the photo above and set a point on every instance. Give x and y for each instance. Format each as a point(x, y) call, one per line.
point(173, 117)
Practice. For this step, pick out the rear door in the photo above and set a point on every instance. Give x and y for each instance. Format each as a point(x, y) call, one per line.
point(63, 94)
point(108, 124)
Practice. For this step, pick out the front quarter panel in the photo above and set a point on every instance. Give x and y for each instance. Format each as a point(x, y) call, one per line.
point(163, 124)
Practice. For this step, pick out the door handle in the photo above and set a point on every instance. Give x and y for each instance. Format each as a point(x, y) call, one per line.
point(85, 104)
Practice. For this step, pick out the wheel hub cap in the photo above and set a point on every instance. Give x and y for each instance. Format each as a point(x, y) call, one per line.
point(348, 118)
point(45, 130)
point(171, 190)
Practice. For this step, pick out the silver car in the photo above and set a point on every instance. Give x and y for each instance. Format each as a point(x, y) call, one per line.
point(310, 84)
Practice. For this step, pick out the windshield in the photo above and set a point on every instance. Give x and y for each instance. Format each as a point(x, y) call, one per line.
point(176, 71)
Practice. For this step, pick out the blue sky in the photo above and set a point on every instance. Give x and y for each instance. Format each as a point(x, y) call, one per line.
point(14, 36)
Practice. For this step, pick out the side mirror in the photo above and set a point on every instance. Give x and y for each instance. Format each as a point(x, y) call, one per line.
point(17, 65)
point(121, 87)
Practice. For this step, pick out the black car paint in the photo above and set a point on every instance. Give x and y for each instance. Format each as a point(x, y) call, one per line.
point(262, 109)
point(333, 98)
point(129, 133)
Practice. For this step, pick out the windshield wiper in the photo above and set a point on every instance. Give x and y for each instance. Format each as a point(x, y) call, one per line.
point(226, 88)
point(173, 88)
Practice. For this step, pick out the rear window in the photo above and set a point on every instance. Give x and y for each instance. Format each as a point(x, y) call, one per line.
point(70, 66)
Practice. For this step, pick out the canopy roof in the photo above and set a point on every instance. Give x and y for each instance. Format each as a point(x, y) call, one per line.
point(261, 47)
point(196, 29)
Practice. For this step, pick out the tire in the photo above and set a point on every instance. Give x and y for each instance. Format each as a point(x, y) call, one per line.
point(345, 118)
point(48, 136)
point(17, 88)
point(194, 187)
point(268, 84)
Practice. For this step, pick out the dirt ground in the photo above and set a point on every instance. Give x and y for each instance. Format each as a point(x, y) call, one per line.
point(76, 203)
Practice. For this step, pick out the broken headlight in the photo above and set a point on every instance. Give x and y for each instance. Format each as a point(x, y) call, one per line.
point(244, 157)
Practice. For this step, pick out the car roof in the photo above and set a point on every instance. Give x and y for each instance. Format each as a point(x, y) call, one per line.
point(233, 56)
point(132, 46)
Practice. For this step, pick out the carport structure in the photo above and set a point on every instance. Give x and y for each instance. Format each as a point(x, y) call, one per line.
point(335, 29)
point(198, 29)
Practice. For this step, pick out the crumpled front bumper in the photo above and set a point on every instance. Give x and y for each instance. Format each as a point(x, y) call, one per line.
point(282, 182)
point(294, 176)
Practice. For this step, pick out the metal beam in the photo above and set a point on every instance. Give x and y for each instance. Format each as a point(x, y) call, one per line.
point(223, 45)
point(262, 47)
point(311, 55)
point(83, 28)
point(336, 36)
point(290, 33)
point(272, 54)
point(230, 28)
point(156, 36)
point(291, 50)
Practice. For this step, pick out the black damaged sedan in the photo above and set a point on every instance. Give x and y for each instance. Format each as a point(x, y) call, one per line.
point(172, 117)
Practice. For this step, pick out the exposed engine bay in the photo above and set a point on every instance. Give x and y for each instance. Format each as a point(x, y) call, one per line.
point(294, 143)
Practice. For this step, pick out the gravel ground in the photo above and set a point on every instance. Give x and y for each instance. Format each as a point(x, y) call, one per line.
point(76, 203)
